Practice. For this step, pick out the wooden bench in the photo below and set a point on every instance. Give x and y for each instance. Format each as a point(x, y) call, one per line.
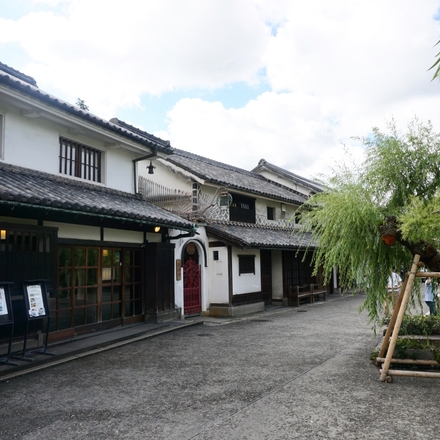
point(296, 293)
point(319, 290)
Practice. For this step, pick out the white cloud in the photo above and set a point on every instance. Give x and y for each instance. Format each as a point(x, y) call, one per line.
point(335, 69)
point(292, 131)
point(114, 52)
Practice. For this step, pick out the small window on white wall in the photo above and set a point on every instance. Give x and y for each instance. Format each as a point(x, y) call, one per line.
point(270, 213)
point(2, 131)
point(246, 264)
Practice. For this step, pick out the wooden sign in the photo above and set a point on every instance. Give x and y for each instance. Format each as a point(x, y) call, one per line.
point(178, 270)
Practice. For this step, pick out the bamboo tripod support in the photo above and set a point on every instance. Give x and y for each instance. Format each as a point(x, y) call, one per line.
point(394, 328)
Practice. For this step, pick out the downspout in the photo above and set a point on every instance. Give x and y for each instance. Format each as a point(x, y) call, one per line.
point(148, 156)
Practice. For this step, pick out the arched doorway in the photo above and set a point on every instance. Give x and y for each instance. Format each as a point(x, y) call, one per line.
point(192, 297)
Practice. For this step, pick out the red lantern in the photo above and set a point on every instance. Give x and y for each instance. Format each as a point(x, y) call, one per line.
point(388, 239)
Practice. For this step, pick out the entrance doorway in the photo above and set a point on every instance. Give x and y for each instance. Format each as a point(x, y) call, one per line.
point(192, 297)
point(97, 288)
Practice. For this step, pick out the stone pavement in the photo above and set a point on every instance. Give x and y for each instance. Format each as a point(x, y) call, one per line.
point(88, 345)
point(280, 374)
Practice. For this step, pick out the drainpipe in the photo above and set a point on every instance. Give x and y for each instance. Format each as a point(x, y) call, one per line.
point(148, 156)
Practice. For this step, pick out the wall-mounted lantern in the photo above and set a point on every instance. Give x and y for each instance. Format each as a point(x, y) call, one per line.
point(151, 168)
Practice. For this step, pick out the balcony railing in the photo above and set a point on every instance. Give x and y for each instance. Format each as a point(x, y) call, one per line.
point(203, 209)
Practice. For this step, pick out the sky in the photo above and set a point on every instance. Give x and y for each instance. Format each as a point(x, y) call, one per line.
point(294, 82)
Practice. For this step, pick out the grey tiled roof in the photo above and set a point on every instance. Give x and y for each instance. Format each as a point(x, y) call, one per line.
point(315, 186)
point(165, 145)
point(232, 177)
point(18, 74)
point(38, 189)
point(27, 85)
point(253, 236)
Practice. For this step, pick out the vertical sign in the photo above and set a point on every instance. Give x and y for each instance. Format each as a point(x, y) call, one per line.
point(36, 303)
point(3, 302)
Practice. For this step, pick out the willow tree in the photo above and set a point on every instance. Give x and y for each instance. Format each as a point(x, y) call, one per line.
point(436, 65)
point(393, 197)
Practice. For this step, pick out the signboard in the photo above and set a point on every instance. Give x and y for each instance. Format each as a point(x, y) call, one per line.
point(3, 303)
point(36, 300)
point(6, 316)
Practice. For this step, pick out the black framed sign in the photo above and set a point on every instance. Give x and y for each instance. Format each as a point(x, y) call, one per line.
point(6, 316)
point(36, 307)
point(35, 299)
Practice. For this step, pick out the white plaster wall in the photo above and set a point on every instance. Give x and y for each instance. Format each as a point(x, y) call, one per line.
point(154, 237)
point(120, 235)
point(277, 275)
point(286, 215)
point(25, 138)
point(247, 282)
point(119, 170)
point(286, 182)
point(164, 175)
point(39, 139)
point(80, 232)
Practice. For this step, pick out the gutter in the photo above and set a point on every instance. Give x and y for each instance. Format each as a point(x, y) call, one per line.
point(135, 161)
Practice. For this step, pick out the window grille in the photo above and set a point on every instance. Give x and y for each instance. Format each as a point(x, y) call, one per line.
point(79, 160)
point(246, 264)
point(195, 196)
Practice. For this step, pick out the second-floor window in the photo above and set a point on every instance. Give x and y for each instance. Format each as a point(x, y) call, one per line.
point(80, 160)
point(242, 209)
point(270, 213)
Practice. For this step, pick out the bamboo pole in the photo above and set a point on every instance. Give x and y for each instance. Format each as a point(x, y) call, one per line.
point(411, 373)
point(402, 308)
point(410, 361)
point(396, 309)
point(428, 274)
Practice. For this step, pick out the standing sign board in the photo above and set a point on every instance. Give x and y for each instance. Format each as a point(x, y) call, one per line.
point(5, 305)
point(36, 307)
point(6, 317)
point(36, 300)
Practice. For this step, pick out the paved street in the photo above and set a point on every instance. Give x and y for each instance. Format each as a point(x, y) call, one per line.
point(283, 374)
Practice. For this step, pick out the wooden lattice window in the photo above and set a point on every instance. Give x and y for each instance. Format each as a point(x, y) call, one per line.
point(246, 264)
point(80, 160)
point(242, 209)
